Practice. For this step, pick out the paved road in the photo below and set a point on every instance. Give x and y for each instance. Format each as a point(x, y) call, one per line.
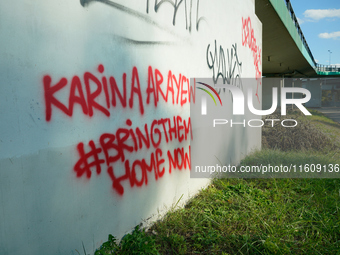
point(331, 112)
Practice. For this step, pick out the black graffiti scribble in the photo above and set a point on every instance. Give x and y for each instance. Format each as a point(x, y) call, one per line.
point(123, 8)
point(132, 12)
point(198, 20)
point(130, 41)
point(175, 5)
point(227, 67)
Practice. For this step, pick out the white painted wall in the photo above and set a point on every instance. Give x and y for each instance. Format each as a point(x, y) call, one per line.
point(45, 207)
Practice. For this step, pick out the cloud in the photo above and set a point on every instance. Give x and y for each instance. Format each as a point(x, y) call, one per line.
point(333, 35)
point(300, 20)
point(317, 14)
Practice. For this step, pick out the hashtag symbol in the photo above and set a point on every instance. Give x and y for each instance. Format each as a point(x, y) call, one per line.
point(84, 164)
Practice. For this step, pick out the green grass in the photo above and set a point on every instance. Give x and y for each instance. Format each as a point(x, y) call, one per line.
point(326, 125)
point(252, 216)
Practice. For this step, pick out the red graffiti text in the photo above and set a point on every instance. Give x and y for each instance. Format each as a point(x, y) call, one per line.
point(98, 93)
point(117, 146)
point(248, 39)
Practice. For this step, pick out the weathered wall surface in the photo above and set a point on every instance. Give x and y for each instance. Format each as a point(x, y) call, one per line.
point(94, 111)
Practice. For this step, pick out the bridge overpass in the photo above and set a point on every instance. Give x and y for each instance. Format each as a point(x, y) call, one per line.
point(285, 51)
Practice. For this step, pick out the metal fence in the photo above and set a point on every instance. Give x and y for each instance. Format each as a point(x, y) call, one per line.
point(327, 68)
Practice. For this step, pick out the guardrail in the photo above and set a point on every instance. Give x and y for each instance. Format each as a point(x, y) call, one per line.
point(292, 14)
point(327, 68)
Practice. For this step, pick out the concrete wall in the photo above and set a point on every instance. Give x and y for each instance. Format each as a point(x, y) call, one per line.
point(332, 87)
point(315, 88)
point(267, 91)
point(94, 112)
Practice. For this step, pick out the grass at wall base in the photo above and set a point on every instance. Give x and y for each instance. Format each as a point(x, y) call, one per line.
point(256, 216)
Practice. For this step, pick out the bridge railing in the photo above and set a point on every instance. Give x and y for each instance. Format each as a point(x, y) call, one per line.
point(327, 68)
point(292, 14)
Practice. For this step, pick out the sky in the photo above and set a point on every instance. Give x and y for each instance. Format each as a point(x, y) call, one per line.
point(320, 24)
